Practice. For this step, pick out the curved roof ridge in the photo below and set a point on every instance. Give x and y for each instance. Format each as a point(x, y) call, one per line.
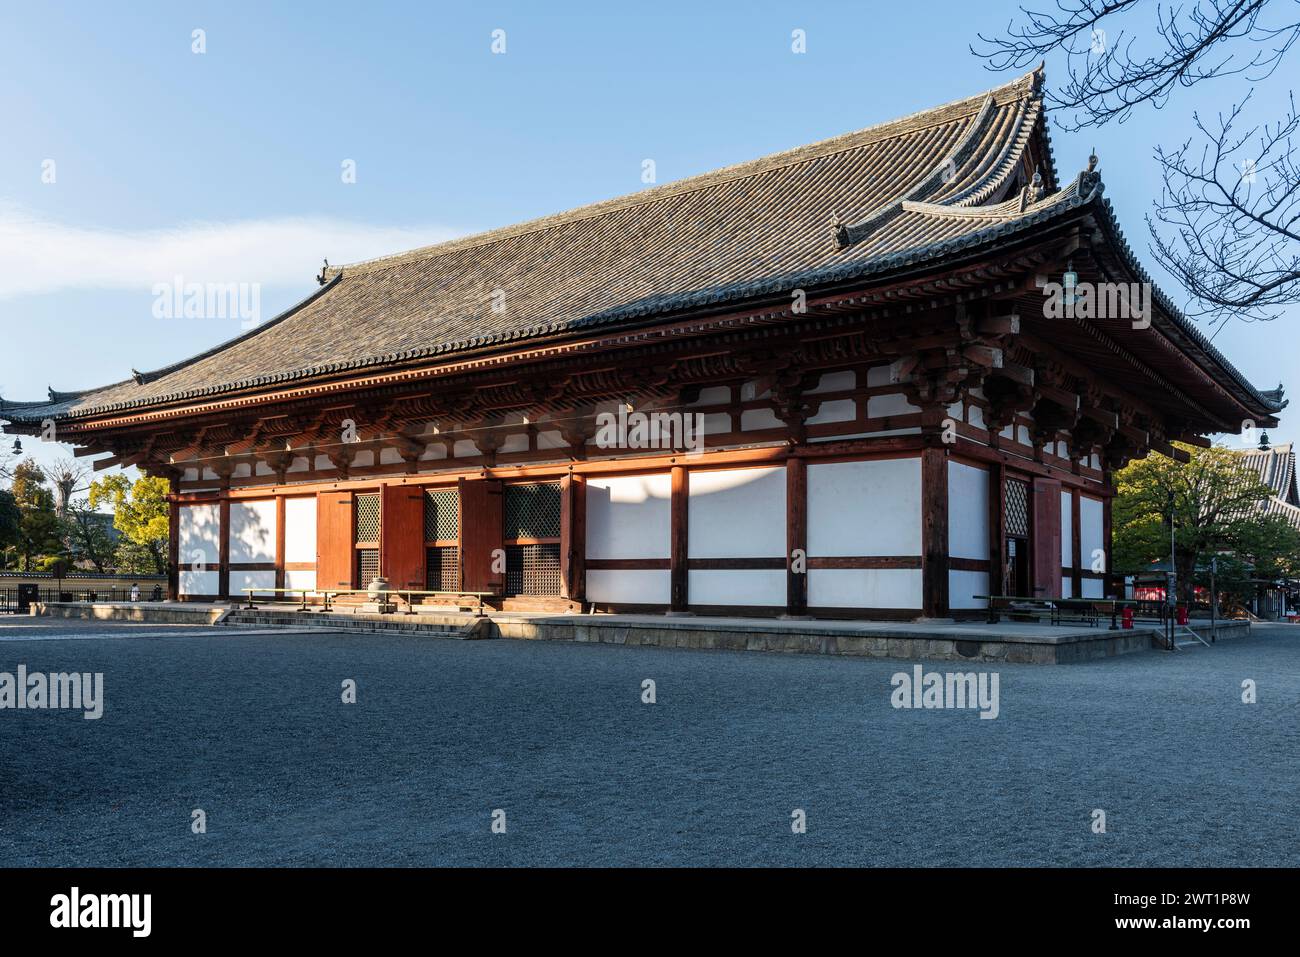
point(1022, 86)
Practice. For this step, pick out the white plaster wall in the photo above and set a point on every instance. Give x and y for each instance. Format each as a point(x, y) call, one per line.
point(963, 584)
point(239, 581)
point(198, 583)
point(300, 579)
point(736, 586)
point(628, 517)
point(736, 513)
point(551, 440)
point(893, 404)
point(200, 531)
point(836, 381)
point(714, 395)
point(300, 529)
point(1091, 533)
point(865, 508)
point(1093, 588)
point(252, 531)
point(864, 587)
point(1067, 587)
point(837, 410)
point(1067, 531)
point(631, 586)
point(754, 419)
point(968, 511)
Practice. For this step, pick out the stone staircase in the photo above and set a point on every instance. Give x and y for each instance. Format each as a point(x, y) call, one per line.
point(462, 627)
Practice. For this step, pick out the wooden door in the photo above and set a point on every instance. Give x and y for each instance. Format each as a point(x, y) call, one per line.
point(482, 551)
point(401, 536)
point(1047, 538)
point(334, 558)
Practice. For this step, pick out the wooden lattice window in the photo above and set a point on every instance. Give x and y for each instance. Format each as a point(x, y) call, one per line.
point(532, 539)
point(367, 566)
point(1015, 507)
point(367, 522)
point(441, 539)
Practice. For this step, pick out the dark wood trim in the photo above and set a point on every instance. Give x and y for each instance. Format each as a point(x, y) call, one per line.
point(867, 561)
point(629, 564)
point(747, 564)
point(679, 513)
point(969, 564)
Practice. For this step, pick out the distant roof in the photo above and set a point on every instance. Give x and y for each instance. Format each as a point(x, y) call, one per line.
point(1276, 468)
point(910, 191)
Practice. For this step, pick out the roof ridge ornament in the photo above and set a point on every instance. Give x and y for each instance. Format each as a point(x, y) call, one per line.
point(322, 279)
point(839, 232)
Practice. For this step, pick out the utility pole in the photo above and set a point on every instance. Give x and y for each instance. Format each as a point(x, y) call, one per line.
point(1214, 599)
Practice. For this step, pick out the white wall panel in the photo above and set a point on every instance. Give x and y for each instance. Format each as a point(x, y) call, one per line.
point(198, 583)
point(239, 581)
point(737, 513)
point(1092, 532)
point(1067, 587)
point(963, 584)
point(300, 579)
point(300, 529)
point(865, 508)
point(736, 586)
point(968, 511)
point(864, 587)
point(1093, 588)
point(629, 586)
point(252, 531)
point(200, 532)
point(628, 517)
point(1067, 530)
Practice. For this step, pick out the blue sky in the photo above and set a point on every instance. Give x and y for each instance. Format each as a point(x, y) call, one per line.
point(226, 166)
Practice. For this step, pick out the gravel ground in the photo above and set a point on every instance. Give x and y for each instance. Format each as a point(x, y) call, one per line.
point(251, 729)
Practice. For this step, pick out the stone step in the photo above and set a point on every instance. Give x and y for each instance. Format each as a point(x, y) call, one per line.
point(314, 621)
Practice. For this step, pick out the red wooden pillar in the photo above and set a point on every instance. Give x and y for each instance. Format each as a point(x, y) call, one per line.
point(678, 552)
point(223, 533)
point(796, 536)
point(934, 533)
point(573, 537)
point(1047, 538)
point(279, 541)
point(174, 541)
point(997, 532)
point(1076, 540)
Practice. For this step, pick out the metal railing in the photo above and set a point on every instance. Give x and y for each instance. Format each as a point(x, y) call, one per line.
point(9, 595)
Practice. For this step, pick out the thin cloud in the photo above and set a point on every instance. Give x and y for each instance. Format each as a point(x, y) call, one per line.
point(39, 256)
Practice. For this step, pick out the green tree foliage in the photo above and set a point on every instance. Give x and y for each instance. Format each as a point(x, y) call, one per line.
point(40, 533)
point(140, 513)
point(10, 519)
point(89, 540)
point(1217, 511)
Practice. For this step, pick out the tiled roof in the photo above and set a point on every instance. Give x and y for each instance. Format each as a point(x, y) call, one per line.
point(1276, 468)
point(913, 190)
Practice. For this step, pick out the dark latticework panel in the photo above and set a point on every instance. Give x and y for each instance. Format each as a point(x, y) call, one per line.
point(441, 515)
point(367, 565)
point(367, 517)
point(533, 511)
point(533, 569)
point(442, 568)
point(1015, 505)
